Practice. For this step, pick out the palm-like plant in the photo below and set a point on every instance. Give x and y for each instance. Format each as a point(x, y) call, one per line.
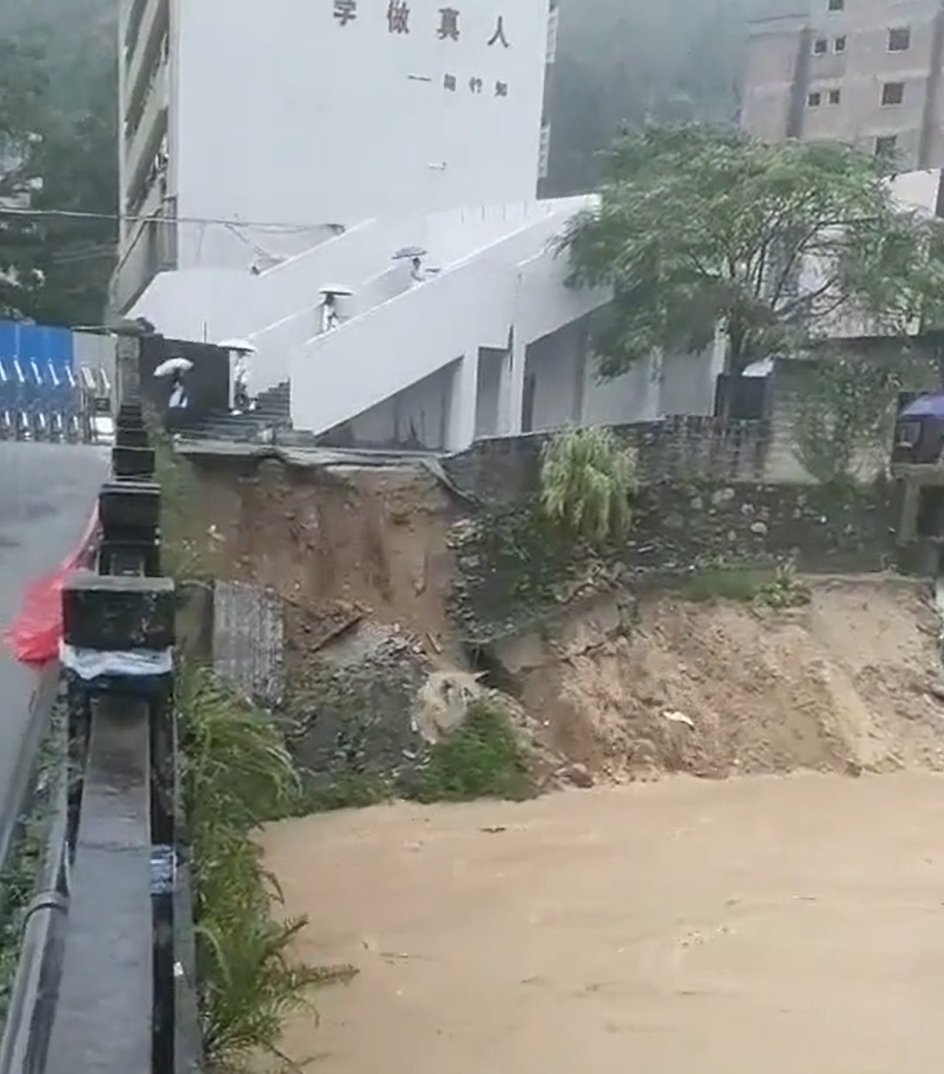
point(236, 774)
point(587, 480)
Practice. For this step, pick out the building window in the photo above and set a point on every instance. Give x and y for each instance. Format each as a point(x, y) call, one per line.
point(835, 5)
point(815, 99)
point(834, 96)
point(893, 93)
point(839, 45)
point(886, 145)
point(899, 39)
point(819, 46)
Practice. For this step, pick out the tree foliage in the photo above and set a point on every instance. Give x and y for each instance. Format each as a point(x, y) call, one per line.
point(587, 479)
point(58, 131)
point(622, 64)
point(697, 227)
point(843, 416)
point(22, 86)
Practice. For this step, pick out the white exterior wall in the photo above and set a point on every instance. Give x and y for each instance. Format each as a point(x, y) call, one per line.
point(471, 305)
point(634, 396)
point(283, 114)
point(417, 416)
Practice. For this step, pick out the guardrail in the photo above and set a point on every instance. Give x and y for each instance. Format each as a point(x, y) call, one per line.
point(106, 980)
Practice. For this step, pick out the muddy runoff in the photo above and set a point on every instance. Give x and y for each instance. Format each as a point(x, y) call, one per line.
point(775, 924)
point(782, 913)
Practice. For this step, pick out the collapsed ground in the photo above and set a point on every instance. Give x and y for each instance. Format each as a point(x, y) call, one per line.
point(613, 685)
point(750, 921)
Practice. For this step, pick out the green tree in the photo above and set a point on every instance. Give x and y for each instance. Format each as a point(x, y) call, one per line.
point(22, 85)
point(58, 131)
point(842, 419)
point(697, 228)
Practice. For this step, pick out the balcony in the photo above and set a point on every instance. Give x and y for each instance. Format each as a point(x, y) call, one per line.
point(143, 140)
point(152, 248)
point(142, 51)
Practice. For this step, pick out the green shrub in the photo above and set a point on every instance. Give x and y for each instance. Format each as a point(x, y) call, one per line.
point(236, 773)
point(784, 590)
point(183, 548)
point(480, 759)
point(777, 589)
point(587, 480)
point(723, 583)
point(353, 791)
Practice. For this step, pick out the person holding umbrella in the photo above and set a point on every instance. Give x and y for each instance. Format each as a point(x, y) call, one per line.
point(179, 400)
point(415, 255)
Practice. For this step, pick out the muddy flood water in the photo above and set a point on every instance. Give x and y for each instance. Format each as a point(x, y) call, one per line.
point(754, 926)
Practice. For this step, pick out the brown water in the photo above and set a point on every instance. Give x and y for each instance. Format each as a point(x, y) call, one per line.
point(755, 926)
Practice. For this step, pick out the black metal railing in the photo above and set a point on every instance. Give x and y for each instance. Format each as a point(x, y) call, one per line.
point(106, 979)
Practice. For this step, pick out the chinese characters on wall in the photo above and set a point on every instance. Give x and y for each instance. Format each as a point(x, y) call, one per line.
point(449, 28)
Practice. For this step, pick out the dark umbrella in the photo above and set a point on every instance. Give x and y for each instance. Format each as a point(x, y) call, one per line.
point(925, 406)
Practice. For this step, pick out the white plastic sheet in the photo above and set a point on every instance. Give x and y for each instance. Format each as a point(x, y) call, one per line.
point(89, 664)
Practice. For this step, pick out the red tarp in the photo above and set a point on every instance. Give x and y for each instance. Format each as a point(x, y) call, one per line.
point(34, 636)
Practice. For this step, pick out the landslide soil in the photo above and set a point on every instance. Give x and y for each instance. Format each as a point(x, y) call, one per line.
point(850, 683)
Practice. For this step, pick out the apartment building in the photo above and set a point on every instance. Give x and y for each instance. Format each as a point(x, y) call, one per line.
point(866, 72)
point(315, 115)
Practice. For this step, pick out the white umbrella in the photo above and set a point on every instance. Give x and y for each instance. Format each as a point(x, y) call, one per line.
point(339, 289)
point(407, 253)
point(241, 345)
point(172, 366)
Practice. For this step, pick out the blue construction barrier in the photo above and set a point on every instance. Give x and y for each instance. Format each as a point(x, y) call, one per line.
point(43, 395)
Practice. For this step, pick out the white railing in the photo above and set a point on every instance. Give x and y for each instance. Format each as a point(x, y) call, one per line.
point(448, 236)
point(342, 373)
point(274, 345)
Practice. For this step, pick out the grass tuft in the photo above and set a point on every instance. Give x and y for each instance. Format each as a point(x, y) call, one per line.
point(237, 774)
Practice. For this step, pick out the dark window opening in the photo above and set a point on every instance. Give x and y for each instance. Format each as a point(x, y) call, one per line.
point(840, 44)
point(820, 45)
point(899, 39)
point(893, 93)
point(886, 146)
point(835, 5)
point(814, 100)
point(834, 96)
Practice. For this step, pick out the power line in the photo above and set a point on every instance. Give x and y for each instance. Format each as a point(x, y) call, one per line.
point(77, 214)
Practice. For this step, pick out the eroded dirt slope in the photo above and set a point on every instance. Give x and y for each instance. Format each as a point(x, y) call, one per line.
point(850, 683)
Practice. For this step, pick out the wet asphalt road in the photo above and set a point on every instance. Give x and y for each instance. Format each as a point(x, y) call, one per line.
point(46, 494)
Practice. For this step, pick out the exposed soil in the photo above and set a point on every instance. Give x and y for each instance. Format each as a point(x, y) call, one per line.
point(757, 924)
point(851, 683)
point(371, 544)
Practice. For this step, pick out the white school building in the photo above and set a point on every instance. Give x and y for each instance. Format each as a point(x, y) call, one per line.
point(275, 152)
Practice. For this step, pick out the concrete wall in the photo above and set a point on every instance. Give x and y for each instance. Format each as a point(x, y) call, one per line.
point(314, 121)
point(417, 417)
point(554, 379)
point(678, 528)
point(783, 63)
point(488, 391)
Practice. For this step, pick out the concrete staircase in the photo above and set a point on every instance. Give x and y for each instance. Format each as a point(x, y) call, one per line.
point(271, 412)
